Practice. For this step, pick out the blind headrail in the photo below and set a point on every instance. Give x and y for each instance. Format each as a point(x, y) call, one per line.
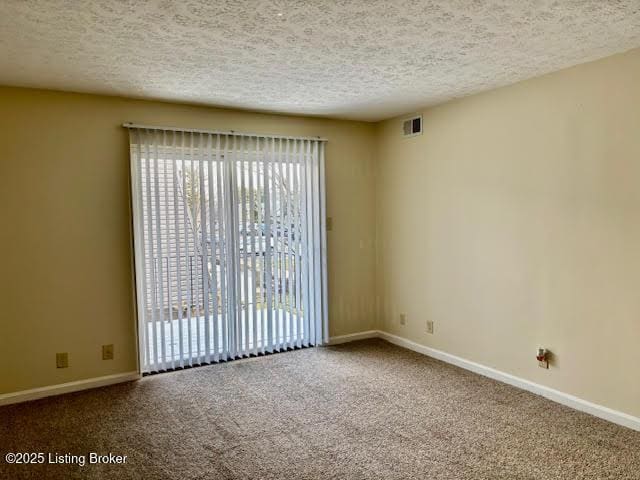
point(219, 132)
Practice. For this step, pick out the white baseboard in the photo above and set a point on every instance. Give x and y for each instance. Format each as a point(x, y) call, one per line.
point(35, 393)
point(352, 337)
point(576, 403)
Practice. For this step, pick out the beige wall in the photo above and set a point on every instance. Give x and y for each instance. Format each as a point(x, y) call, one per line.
point(514, 222)
point(65, 275)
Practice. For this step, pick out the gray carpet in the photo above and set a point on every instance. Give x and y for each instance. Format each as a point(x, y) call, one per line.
point(364, 410)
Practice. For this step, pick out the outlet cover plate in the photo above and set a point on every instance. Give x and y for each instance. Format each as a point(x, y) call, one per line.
point(62, 360)
point(107, 352)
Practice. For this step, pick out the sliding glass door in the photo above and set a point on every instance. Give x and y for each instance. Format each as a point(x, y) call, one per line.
point(230, 245)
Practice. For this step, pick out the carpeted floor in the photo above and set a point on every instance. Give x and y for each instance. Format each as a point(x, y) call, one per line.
point(363, 410)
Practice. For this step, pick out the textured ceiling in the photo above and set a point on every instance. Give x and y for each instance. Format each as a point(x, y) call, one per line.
point(361, 59)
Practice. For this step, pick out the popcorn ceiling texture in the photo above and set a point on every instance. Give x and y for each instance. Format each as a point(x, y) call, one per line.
point(358, 59)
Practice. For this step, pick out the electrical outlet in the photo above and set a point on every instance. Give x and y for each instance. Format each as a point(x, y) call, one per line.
point(403, 319)
point(430, 327)
point(543, 356)
point(107, 352)
point(62, 360)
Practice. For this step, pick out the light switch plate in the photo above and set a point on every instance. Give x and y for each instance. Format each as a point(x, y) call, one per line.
point(329, 224)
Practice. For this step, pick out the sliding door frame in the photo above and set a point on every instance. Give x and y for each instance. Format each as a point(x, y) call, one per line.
point(233, 155)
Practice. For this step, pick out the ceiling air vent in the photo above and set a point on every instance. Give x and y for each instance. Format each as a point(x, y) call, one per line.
point(412, 126)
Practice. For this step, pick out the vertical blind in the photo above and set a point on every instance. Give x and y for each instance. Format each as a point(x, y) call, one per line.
point(230, 245)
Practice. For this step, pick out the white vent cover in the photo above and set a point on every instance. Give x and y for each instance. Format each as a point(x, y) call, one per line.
point(412, 126)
